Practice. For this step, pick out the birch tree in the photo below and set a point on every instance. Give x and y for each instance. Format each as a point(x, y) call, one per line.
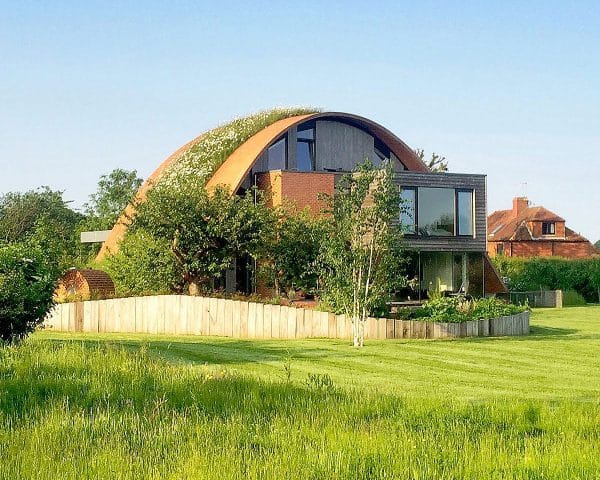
point(362, 245)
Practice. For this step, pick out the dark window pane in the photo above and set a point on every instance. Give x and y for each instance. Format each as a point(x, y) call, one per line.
point(436, 211)
point(436, 272)
point(475, 274)
point(308, 134)
point(276, 155)
point(465, 213)
point(407, 210)
point(305, 156)
point(548, 228)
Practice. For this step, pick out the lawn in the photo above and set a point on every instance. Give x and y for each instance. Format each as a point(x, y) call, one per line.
point(115, 406)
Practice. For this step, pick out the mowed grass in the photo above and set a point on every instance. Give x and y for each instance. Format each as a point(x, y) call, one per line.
point(559, 360)
point(113, 406)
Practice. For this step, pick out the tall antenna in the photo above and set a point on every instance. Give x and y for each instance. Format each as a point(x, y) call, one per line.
point(523, 189)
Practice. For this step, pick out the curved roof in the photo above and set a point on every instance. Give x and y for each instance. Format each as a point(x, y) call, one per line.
point(85, 282)
point(240, 151)
point(233, 171)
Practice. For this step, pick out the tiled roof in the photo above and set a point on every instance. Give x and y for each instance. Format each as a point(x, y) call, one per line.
point(98, 280)
point(505, 225)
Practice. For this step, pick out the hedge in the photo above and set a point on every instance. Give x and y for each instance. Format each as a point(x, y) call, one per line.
point(552, 273)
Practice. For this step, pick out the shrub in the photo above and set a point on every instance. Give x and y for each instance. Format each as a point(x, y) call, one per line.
point(459, 309)
point(292, 262)
point(552, 273)
point(143, 265)
point(26, 289)
point(573, 299)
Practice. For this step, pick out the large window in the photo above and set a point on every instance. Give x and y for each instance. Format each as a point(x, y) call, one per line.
point(277, 155)
point(436, 211)
point(305, 148)
point(464, 212)
point(408, 210)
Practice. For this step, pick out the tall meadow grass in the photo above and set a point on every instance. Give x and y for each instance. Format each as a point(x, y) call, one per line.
point(71, 410)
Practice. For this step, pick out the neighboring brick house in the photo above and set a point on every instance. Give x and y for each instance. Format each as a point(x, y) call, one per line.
point(526, 231)
point(301, 156)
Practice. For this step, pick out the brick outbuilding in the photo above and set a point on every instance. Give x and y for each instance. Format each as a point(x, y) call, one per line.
point(84, 284)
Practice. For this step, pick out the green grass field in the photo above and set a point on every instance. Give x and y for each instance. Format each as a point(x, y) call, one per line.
point(115, 406)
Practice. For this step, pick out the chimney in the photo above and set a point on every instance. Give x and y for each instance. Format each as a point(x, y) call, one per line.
point(519, 205)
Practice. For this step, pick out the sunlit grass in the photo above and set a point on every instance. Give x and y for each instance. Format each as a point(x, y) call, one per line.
point(147, 407)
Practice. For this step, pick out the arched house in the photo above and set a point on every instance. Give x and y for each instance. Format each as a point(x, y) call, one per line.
point(297, 154)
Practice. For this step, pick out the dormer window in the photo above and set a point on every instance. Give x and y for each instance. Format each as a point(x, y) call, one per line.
point(548, 228)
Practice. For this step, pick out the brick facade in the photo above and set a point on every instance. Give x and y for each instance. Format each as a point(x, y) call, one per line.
point(519, 233)
point(300, 188)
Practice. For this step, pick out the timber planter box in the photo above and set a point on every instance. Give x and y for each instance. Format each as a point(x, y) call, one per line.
point(517, 324)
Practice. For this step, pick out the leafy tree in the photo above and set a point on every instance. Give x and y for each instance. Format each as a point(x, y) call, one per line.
point(26, 289)
point(41, 218)
point(293, 253)
point(597, 245)
point(115, 191)
point(437, 163)
point(205, 233)
point(359, 252)
point(143, 265)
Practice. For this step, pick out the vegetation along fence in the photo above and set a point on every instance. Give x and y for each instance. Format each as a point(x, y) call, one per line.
point(184, 315)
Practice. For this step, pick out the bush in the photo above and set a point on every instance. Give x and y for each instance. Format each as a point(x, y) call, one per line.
point(26, 289)
point(551, 273)
point(573, 299)
point(142, 266)
point(459, 309)
point(292, 259)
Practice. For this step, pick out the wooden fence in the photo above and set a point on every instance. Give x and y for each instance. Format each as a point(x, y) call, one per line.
point(184, 315)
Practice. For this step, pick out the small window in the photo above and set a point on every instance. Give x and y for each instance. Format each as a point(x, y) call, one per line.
point(382, 153)
point(408, 210)
point(464, 212)
point(500, 249)
point(305, 148)
point(548, 228)
point(277, 155)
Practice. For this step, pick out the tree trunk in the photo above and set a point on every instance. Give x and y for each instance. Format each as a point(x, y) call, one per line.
point(355, 334)
point(194, 288)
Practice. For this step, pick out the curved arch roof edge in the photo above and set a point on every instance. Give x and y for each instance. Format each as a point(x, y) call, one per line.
point(232, 171)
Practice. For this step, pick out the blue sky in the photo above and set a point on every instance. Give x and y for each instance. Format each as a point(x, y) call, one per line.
point(508, 90)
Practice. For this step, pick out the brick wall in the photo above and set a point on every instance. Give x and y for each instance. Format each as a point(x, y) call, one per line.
point(543, 248)
point(573, 249)
point(302, 188)
point(538, 248)
point(535, 228)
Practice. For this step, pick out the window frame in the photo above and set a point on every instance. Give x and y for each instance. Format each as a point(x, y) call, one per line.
point(283, 138)
point(551, 227)
point(415, 231)
point(455, 234)
point(456, 215)
point(312, 144)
